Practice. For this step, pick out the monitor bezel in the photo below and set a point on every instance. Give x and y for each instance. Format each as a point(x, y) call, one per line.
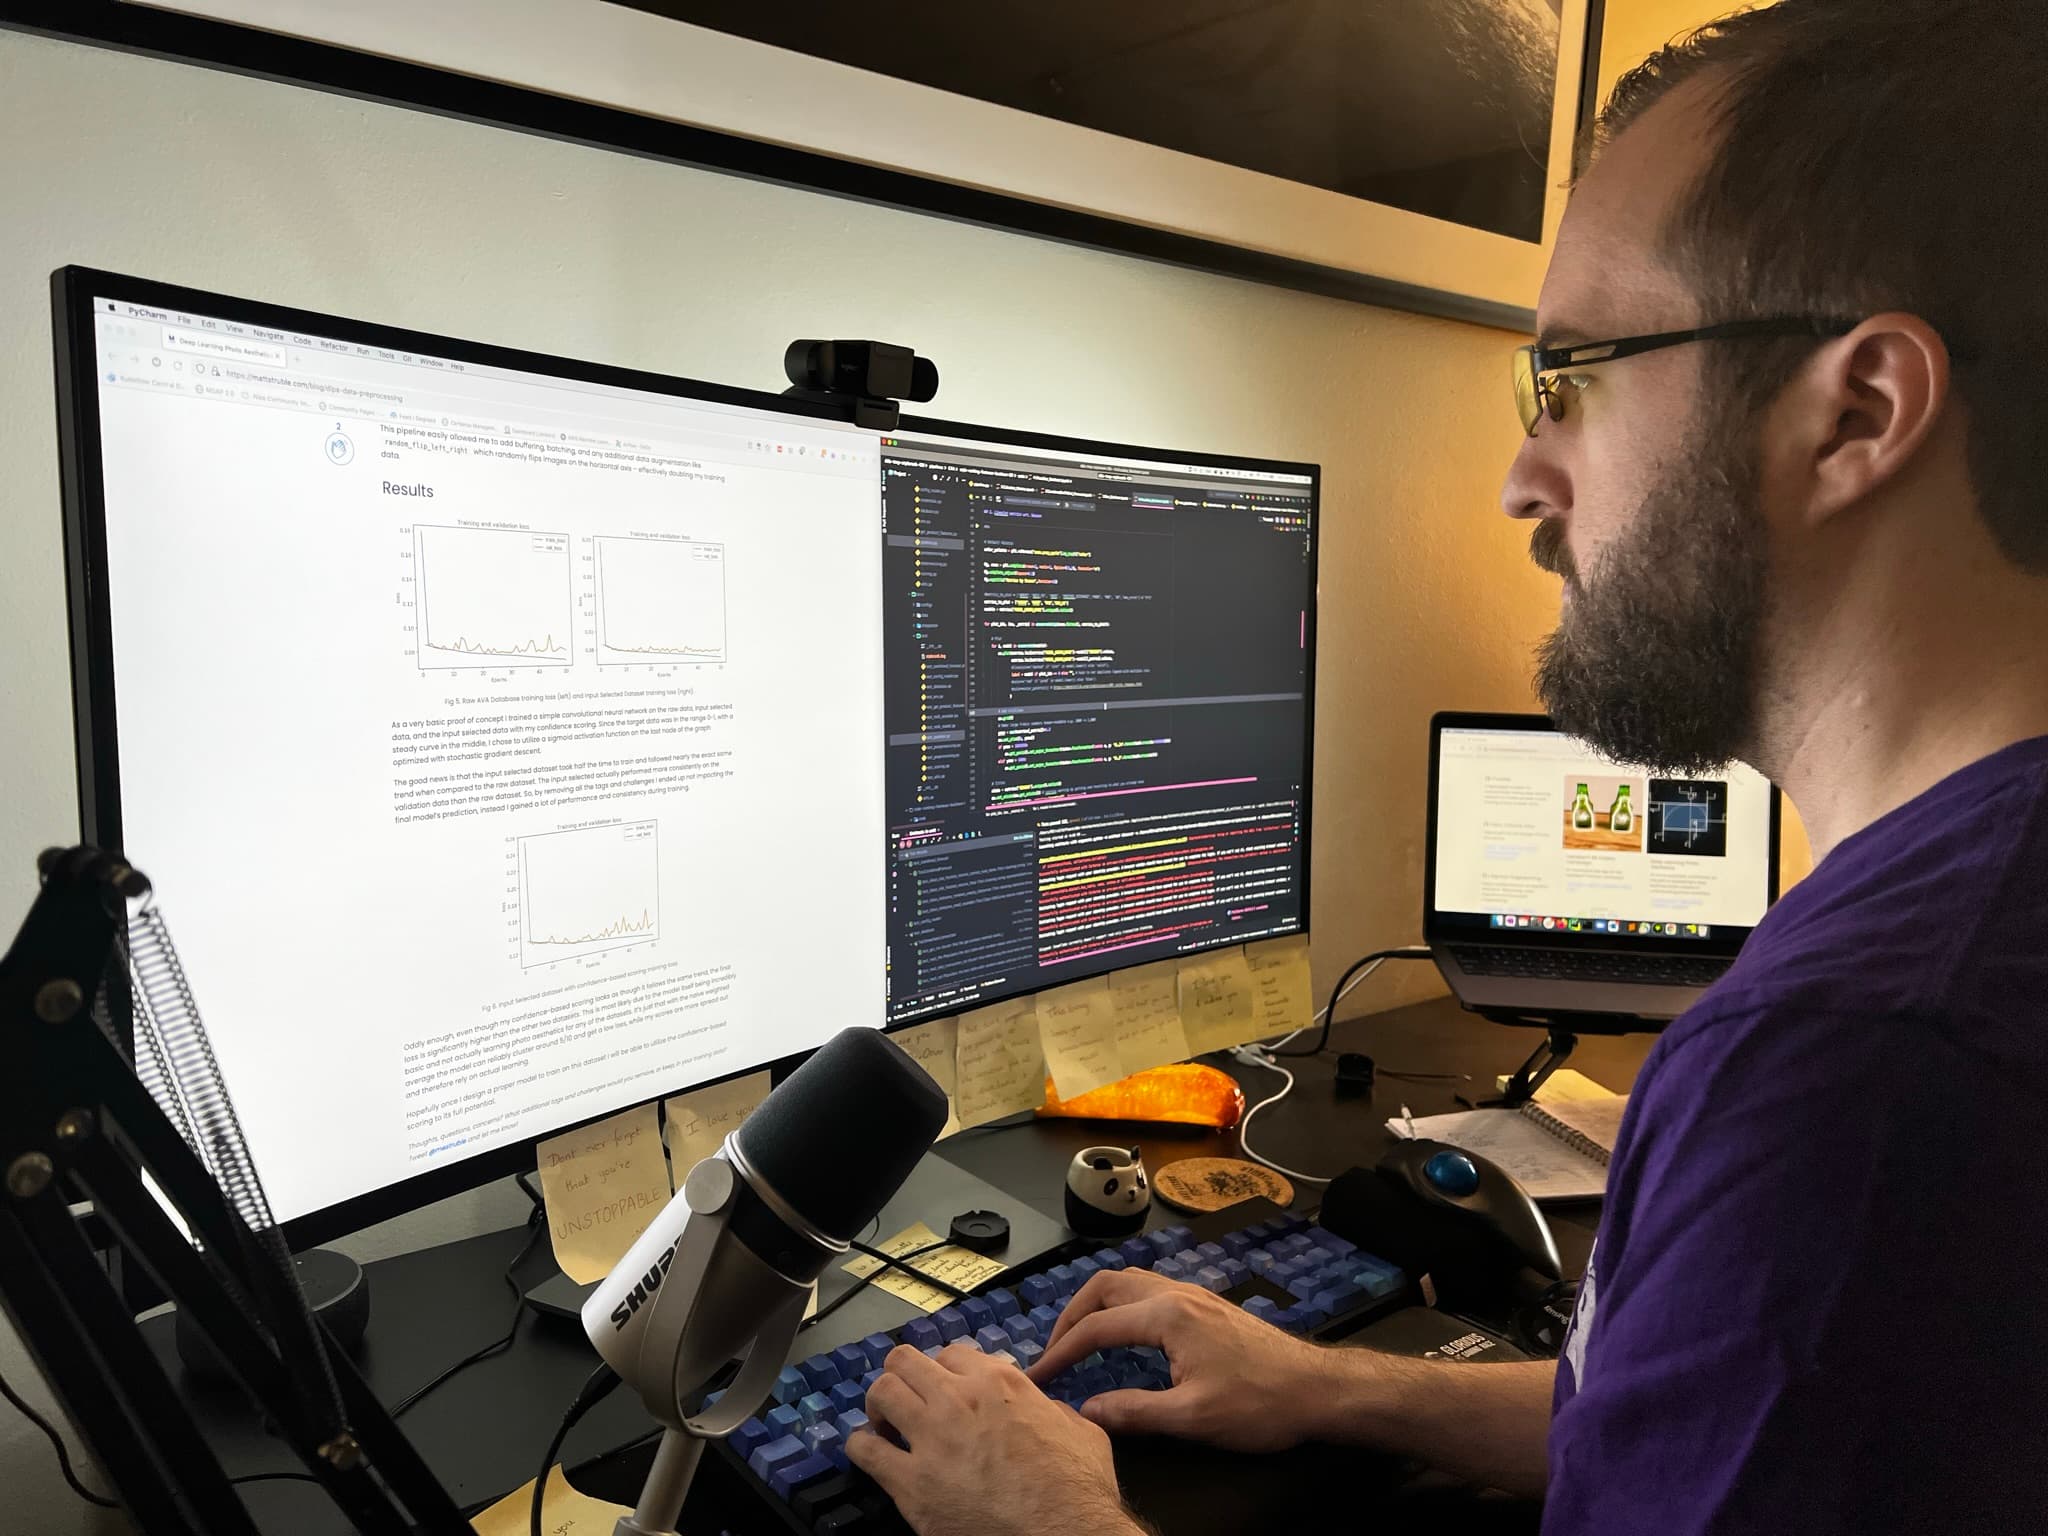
point(90, 614)
point(1435, 930)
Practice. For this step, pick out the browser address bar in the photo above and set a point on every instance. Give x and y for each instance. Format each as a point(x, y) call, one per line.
point(222, 347)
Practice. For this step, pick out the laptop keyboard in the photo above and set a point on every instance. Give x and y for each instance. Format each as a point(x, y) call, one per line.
point(1590, 965)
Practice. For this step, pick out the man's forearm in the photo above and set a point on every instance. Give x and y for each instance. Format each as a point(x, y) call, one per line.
point(1487, 1424)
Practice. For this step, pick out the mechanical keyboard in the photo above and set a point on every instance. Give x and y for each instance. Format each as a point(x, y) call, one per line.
point(1590, 965)
point(791, 1455)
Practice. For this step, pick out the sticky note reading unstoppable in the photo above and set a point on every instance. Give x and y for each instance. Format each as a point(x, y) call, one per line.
point(603, 1184)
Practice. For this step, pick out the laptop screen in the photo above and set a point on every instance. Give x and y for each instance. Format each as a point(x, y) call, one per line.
point(1535, 833)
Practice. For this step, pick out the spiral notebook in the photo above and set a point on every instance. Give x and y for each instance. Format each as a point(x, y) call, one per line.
point(1556, 1146)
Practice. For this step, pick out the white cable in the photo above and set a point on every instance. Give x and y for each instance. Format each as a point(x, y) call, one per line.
point(1251, 1056)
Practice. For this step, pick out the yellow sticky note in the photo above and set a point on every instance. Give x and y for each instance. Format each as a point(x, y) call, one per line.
point(699, 1121)
point(1001, 1065)
point(1077, 1030)
point(1216, 1001)
point(1282, 994)
point(603, 1185)
point(961, 1268)
point(563, 1512)
point(936, 1048)
point(1146, 1002)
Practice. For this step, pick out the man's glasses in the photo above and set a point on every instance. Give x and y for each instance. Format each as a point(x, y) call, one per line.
point(1536, 368)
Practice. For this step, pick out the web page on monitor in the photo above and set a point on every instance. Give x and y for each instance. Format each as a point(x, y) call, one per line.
point(485, 733)
point(1533, 825)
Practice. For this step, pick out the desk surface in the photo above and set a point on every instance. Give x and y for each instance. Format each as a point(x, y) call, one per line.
point(485, 1430)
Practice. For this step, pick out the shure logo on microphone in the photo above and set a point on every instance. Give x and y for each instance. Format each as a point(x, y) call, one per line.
point(643, 1291)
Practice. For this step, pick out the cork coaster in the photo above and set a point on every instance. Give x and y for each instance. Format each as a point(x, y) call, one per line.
point(1210, 1183)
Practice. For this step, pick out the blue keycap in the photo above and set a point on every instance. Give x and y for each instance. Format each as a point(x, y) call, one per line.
point(869, 1380)
point(1288, 1318)
point(1301, 1287)
point(798, 1475)
point(1137, 1253)
point(1213, 1252)
point(1084, 1271)
point(1260, 1261)
point(710, 1401)
point(979, 1313)
point(823, 1439)
point(774, 1455)
point(1210, 1278)
point(1337, 1298)
point(1046, 1320)
point(1096, 1379)
point(1287, 1224)
point(1171, 1269)
point(822, 1372)
point(1109, 1259)
point(785, 1419)
point(848, 1394)
point(851, 1424)
point(990, 1339)
point(750, 1437)
point(1128, 1373)
point(851, 1360)
point(1063, 1279)
point(1183, 1235)
point(1234, 1271)
point(1237, 1245)
point(935, 1351)
point(1151, 1356)
point(922, 1333)
point(1037, 1291)
point(952, 1323)
point(1264, 1307)
point(815, 1407)
point(1317, 1256)
point(1256, 1234)
point(1330, 1240)
point(1026, 1353)
point(1311, 1317)
point(1019, 1329)
point(1190, 1260)
point(1283, 1272)
point(1163, 1243)
point(876, 1347)
point(790, 1385)
point(1004, 1301)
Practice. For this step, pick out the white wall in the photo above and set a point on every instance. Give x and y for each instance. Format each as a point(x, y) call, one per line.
point(272, 192)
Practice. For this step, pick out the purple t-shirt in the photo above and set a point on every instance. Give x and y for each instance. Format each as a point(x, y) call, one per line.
point(1818, 1302)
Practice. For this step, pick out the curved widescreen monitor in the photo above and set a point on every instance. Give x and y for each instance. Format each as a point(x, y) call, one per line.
point(514, 740)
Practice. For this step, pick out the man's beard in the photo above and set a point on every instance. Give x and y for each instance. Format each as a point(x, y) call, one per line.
point(1657, 658)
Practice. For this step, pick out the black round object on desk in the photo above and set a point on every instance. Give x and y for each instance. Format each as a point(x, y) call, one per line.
point(337, 1294)
point(982, 1231)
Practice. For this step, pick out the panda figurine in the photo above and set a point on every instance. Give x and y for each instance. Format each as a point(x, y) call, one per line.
point(1107, 1192)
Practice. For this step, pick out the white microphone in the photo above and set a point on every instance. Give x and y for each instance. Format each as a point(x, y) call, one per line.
point(727, 1267)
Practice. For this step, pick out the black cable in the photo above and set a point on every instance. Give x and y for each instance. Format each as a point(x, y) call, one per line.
point(1337, 992)
point(895, 1262)
point(276, 1477)
point(535, 1228)
point(589, 1395)
point(869, 1279)
point(57, 1442)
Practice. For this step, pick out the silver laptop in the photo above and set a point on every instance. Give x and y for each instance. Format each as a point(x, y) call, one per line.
point(1558, 884)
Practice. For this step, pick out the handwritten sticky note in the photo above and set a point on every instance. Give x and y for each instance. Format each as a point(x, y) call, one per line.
point(1001, 1064)
point(1146, 1004)
point(936, 1048)
point(699, 1121)
point(563, 1512)
point(1216, 1001)
point(960, 1268)
point(1282, 995)
point(1077, 1030)
point(602, 1185)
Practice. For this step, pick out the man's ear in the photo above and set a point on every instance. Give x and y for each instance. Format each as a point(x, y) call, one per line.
point(1864, 406)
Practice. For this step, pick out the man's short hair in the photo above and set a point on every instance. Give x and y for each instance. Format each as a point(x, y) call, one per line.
point(1876, 155)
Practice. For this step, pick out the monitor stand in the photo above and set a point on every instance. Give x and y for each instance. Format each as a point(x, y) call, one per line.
point(935, 1193)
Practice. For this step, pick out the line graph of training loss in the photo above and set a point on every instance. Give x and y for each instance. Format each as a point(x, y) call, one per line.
point(492, 597)
point(586, 891)
point(659, 600)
